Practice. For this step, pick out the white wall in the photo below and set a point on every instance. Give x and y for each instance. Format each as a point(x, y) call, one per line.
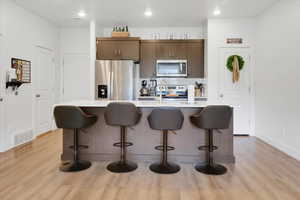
point(22, 31)
point(163, 32)
point(2, 87)
point(277, 75)
point(1, 17)
point(75, 40)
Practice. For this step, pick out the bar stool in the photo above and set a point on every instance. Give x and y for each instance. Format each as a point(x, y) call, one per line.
point(165, 119)
point(72, 117)
point(123, 115)
point(211, 118)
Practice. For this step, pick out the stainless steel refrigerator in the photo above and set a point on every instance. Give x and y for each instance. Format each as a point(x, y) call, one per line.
point(116, 79)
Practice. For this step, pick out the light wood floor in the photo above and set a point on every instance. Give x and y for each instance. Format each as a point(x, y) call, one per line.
point(261, 172)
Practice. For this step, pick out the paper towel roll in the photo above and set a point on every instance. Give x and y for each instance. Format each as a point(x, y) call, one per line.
point(191, 93)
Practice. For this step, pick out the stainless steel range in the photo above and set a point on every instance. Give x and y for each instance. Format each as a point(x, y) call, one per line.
point(172, 91)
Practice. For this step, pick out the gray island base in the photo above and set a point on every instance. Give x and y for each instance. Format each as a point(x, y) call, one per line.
point(100, 138)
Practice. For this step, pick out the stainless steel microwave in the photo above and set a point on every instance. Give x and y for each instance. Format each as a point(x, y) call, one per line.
point(171, 68)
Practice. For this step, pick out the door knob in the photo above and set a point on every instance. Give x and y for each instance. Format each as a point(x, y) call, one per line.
point(38, 95)
point(221, 95)
point(1, 99)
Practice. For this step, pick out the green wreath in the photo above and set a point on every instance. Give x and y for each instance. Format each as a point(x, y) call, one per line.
point(230, 62)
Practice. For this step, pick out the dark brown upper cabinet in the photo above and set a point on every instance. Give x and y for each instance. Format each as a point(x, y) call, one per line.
point(190, 50)
point(118, 49)
point(195, 59)
point(170, 50)
point(148, 60)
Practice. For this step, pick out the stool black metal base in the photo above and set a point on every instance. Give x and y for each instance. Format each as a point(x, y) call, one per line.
point(122, 167)
point(210, 167)
point(168, 168)
point(75, 166)
point(164, 167)
point(214, 169)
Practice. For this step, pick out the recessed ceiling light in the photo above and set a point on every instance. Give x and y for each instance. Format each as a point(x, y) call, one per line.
point(217, 12)
point(81, 14)
point(148, 13)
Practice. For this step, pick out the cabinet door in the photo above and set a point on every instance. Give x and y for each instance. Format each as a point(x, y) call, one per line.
point(170, 50)
point(148, 60)
point(195, 59)
point(129, 50)
point(179, 51)
point(163, 51)
point(108, 50)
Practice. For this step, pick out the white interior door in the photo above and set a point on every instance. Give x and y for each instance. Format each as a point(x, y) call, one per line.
point(44, 90)
point(236, 94)
point(76, 77)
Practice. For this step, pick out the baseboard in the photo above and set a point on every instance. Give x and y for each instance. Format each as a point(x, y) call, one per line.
point(13, 147)
point(280, 146)
point(44, 134)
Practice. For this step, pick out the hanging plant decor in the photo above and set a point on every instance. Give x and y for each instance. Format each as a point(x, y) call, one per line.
point(230, 60)
point(235, 64)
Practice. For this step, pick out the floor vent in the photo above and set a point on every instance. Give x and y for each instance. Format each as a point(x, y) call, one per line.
point(23, 137)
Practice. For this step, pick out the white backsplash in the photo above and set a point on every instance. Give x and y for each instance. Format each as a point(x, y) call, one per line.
point(174, 81)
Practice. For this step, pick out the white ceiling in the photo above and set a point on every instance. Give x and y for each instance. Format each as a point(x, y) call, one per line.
point(130, 12)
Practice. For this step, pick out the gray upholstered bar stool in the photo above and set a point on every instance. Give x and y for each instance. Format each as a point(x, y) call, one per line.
point(123, 115)
point(165, 119)
point(72, 117)
point(211, 118)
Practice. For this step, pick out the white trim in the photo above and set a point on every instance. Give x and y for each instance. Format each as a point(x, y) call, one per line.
point(251, 71)
point(45, 48)
point(92, 59)
point(33, 71)
point(281, 146)
point(235, 46)
point(252, 94)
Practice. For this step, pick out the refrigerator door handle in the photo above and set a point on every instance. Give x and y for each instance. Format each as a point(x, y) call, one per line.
point(111, 85)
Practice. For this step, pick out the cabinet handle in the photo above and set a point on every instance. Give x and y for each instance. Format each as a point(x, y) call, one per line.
point(115, 52)
point(119, 52)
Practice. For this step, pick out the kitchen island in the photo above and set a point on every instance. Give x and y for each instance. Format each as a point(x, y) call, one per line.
point(100, 137)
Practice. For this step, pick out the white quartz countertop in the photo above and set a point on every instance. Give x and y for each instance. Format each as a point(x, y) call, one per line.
point(144, 104)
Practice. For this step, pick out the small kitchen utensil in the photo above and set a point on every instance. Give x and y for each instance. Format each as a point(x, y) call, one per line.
point(144, 91)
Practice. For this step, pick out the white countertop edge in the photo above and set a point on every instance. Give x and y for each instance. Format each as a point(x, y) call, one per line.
point(144, 104)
